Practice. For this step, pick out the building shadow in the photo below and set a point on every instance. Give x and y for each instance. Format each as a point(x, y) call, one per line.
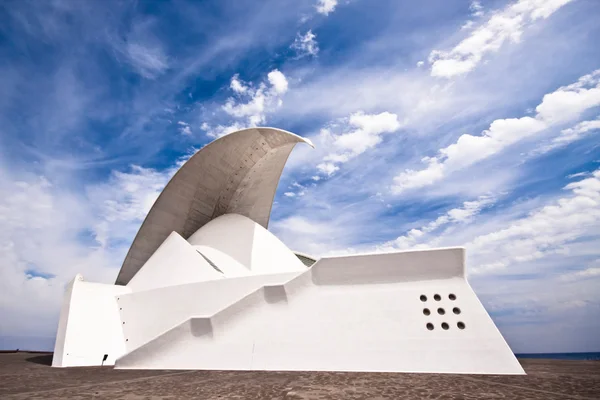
point(45, 359)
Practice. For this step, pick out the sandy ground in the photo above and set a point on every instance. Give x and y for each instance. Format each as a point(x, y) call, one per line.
point(29, 376)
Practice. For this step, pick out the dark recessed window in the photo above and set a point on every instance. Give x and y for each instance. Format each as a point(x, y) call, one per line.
point(429, 326)
point(452, 296)
point(445, 326)
point(423, 297)
point(456, 310)
point(441, 311)
point(461, 325)
point(426, 311)
point(437, 297)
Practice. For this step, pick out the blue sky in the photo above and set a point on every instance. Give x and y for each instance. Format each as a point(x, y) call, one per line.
point(471, 123)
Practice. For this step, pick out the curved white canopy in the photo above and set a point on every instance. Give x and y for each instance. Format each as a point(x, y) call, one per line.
point(237, 173)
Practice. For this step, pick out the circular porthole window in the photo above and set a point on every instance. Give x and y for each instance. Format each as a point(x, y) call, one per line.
point(437, 297)
point(452, 296)
point(441, 311)
point(423, 297)
point(456, 310)
point(461, 325)
point(445, 326)
point(426, 311)
point(429, 326)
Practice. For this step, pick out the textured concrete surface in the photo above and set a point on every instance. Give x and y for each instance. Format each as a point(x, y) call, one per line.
point(29, 376)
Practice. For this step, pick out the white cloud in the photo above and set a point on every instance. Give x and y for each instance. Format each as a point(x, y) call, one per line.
point(326, 6)
point(545, 231)
point(569, 135)
point(218, 131)
point(416, 238)
point(49, 234)
point(184, 128)
point(583, 274)
point(148, 61)
point(411, 179)
point(311, 236)
point(301, 192)
point(564, 104)
point(505, 25)
point(476, 12)
point(570, 101)
point(578, 175)
point(327, 168)
point(278, 81)
point(361, 133)
point(237, 85)
point(43, 228)
point(467, 25)
point(306, 45)
point(476, 8)
point(125, 200)
point(251, 104)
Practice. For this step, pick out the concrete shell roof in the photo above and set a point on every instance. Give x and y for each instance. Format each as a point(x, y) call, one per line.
point(237, 173)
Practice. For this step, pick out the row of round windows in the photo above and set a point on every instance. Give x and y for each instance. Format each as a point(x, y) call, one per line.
point(437, 297)
point(445, 326)
point(441, 311)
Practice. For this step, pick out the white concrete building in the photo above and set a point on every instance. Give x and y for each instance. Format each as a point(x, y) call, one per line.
point(206, 286)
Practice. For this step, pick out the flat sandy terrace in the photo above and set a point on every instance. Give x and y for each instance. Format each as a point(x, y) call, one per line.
point(29, 376)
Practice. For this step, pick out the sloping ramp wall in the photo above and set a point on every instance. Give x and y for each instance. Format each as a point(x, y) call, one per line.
point(148, 314)
point(345, 314)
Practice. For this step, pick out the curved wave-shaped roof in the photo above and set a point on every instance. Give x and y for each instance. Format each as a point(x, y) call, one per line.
point(237, 173)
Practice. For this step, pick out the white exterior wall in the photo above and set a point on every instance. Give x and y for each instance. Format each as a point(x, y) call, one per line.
point(233, 236)
point(344, 315)
point(230, 266)
point(175, 262)
point(89, 325)
point(149, 314)
point(61, 332)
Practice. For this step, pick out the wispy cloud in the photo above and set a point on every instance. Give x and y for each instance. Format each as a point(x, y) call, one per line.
point(149, 62)
point(360, 132)
point(545, 231)
point(306, 45)
point(419, 237)
point(250, 105)
point(184, 128)
point(570, 135)
point(565, 104)
point(476, 8)
point(591, 272)
point(505, 25)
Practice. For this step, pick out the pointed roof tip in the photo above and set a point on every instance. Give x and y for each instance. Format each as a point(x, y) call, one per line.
point(302, 138)
point(308, 141)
